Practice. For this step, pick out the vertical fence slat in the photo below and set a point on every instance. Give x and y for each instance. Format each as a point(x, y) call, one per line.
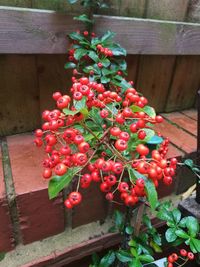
point(185, 83)
point(51, 77)
point(167, 9)
point(154, 77)
point(194, 11)
point(19, 100)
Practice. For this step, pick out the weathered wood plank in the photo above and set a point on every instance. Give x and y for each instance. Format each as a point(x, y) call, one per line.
point(194, 11)
point(132, 66)
point(191, 113)
point(35, 31)
point(178, 137)
point(182, 121)
point(154, 77)
point(16, 3)
point(19, 98)
point(51, 77)
point(167, 9)
point(185, 83)
point(129, 8)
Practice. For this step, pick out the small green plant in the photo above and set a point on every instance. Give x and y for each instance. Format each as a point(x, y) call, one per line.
point(103, 132)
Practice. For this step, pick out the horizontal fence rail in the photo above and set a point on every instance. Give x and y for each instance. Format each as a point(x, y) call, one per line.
point(32, 31)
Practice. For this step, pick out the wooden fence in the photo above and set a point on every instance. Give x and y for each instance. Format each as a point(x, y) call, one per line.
point(163, 59)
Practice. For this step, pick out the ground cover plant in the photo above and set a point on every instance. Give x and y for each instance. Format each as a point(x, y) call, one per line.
point(104, 132)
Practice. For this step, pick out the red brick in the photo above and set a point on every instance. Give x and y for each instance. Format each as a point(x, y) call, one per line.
point(6, 234)
point(39, 217)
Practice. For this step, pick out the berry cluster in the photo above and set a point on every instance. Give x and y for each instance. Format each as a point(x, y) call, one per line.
point(184, 256)
point(105, 134)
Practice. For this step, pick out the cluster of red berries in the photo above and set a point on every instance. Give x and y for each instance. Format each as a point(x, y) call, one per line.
point(63, 136)
point(105, 51)
point(184, 256)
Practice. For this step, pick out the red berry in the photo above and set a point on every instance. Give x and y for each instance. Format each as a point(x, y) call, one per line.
point(68, 204)
point(84, 80)
point(183, 252)
point(115, 131)
point(47, 173)
point(109, 196)
point(104, 113)
point(140, 183)
point(56, 95)
point(190, 256)
point(104, 187)
point(130, 200)
point(60, 169)
point(83, 147)
point(121, 145)
point(142, 150)
point(38, 133)
point(167, 180)
point(75, 198)
point(124, 136)
point(123, 187)
point(38, 142)
point(141, 134)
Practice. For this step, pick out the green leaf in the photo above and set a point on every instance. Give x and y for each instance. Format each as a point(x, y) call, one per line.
point(149, 134)
point(189, 163)
point(182, 234)
point(170, 235)
point(146, 258)
point(72, 1)
point(84, 18)
point(196, 244)
point(176, 215)
point(107, 36)
point(134, 252)
point(135, 263)
point(147, 221)
point(118, 50)
point(106, 63)
point(58, 183)
point(149, 111)
point(69, 112)
point(79, 53)
point(94, 115)
point(129, 230)
point(93, 56)
point(118, 218)
point(192, 225)
point(155, 246)
point(150, 189)
point(124, 256)
point(133, 175)
point(155, 140)
point(107, 260)
point(2, 255)
point(80, 104)
point(95, 259)
point(106, 72)
point(70, 65)
point(132, 243)
point(135, 108)
point(152, 195)
point(105, 79)
point(76, 36)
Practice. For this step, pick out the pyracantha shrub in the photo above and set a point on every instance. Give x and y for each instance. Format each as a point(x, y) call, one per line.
point(103, 131)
